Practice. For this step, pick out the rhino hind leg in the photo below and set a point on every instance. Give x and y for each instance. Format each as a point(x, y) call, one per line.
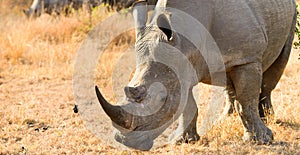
point(186, 131)
point(270, 79)
point(272, 76)
point(247, 81)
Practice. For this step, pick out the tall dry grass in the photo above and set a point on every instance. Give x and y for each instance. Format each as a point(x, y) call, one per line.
point(46, 42)
point(36, 98)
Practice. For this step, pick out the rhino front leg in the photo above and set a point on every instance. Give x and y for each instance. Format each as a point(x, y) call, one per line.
point(247, 81)
point(186, 131)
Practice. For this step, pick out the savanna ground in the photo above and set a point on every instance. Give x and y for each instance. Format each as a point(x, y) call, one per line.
point(36, 96)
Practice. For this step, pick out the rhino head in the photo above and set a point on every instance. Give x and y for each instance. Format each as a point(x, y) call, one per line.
point(154, 94)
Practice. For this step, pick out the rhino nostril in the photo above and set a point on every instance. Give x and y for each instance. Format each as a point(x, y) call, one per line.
point(136, 93)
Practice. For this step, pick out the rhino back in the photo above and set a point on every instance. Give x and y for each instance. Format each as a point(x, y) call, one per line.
point(245, 30)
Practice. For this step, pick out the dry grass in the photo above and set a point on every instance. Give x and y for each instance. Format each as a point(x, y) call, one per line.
point(36, 97)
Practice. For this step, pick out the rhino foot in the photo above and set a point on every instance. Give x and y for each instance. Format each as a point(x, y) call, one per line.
point(268, 119)
point(263, 136)
point(187, 138)
point(265, 108)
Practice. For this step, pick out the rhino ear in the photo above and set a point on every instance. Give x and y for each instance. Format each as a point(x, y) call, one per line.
point(163, 22)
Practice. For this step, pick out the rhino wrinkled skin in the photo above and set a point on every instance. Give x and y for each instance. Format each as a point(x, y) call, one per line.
point(255, 39)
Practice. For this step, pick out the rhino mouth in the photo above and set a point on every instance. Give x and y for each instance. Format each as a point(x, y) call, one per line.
point(135, 140)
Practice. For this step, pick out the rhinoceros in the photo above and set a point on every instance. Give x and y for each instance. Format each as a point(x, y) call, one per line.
point(254, 38)
point(56, 6)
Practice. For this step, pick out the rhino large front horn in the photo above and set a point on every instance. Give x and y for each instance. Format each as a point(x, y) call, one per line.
point(116, 113)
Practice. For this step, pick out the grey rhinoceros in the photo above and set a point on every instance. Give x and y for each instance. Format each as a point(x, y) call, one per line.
point(254, 38)
point(56, 6)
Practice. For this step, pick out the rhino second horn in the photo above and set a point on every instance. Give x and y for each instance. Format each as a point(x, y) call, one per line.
point(137, 93)
point(116, 113)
